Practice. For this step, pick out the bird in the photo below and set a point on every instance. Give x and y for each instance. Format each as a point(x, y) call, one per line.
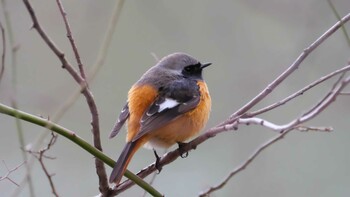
point(169, 104)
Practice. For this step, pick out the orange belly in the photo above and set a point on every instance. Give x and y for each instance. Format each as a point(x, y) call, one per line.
point(185, 126)
point(179, 129)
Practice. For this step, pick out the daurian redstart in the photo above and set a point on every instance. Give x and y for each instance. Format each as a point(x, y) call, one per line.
point(169, 104)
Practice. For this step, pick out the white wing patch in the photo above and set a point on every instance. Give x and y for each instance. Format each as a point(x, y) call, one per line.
point(167, 104)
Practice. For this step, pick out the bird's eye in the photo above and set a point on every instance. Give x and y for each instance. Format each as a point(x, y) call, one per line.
point(192, 68)
point(189, 69)
point(193, 71)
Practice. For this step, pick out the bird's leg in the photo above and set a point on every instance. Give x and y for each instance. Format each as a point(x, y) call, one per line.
point(157, 165)
point(182, 149)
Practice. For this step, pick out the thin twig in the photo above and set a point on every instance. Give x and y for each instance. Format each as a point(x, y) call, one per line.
point(99, 62)
point(299, 92)
point(289, 70)
point(9, 172)
point(347, 38)
point(2, 66)
point(153, 178)
point(308, 128)
point(101, 57)
point(329, 98)
point(340, 78)
point(94, 70)
point(100, 168)
point(14, 104)
point(65, 64)
point(281, 128)
point(244, 164)
point(40, 155)
point(71, 39)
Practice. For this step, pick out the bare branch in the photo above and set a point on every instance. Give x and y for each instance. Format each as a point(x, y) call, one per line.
point(330, 3)
point(329, 98)
point(243, 165)
point(107, 39)
point(2, 66)
point(65, 64)
point(307, 128)
point(281, 128)
point(232, 124)
point(71, 39)
point(93, 71)
point(13, 66)
point(153, 178)
point(300, 92)
point(40, 155)
point(9, 172)
point(100, 168)
point(289, 70)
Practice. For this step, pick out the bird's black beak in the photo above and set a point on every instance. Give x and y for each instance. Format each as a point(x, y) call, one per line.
point(205, 65)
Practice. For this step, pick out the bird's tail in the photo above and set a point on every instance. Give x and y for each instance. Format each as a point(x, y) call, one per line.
point(123, 161)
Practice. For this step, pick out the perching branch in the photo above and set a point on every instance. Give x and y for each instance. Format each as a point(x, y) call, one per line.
point(284, 129)
point(232, 124)
point(241, 116)
point(75, 139)
point(95, 122)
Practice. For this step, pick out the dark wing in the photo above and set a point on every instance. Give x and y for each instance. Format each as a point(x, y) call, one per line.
point(124, 114)
point(176, 99)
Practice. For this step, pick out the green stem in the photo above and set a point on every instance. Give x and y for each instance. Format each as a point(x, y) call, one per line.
point(4, 109)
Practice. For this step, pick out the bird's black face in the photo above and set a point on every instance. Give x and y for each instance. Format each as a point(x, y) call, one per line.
point(194, 71)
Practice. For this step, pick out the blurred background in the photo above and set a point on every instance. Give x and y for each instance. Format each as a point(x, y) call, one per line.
point(249, 42)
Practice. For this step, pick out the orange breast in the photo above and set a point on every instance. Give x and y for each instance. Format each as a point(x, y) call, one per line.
point(178, 130)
